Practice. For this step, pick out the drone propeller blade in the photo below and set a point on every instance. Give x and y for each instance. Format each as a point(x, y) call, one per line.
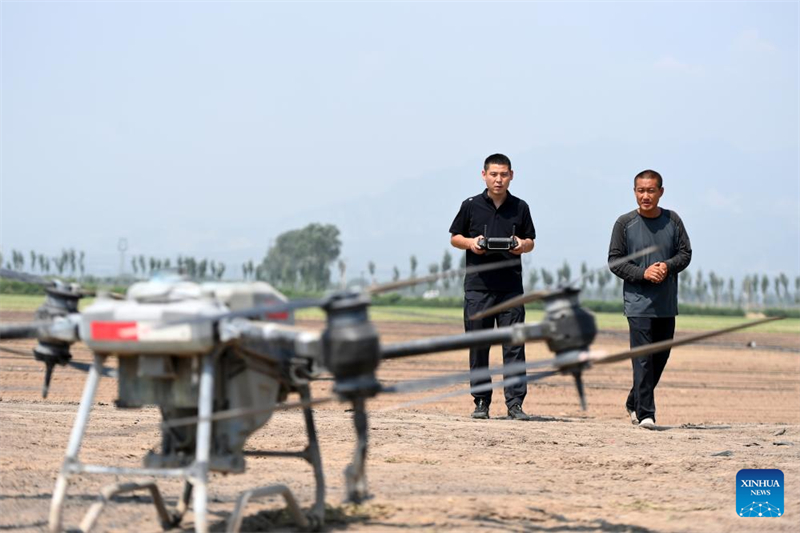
point(29, 353)
point(239, 413)
point(460, 377)
point(252, 312)
point(479, 388)
point(450, 379)
point(542, 294)
point(522, 299)
point(28, 330)
point(99, 293)
point(84, 367)
point(395, 285)
point(597, 358)
point(24, 277)
point(53, 286)
point(573, 362)
point(260, 311)
point(612, 264)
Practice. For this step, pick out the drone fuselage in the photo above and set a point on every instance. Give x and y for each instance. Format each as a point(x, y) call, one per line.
point(160, 359)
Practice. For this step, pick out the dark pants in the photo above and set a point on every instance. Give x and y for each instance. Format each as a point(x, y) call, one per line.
point(647, 370)
point(475, 301)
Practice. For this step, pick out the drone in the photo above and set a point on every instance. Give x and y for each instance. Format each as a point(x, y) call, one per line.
point(219, 359)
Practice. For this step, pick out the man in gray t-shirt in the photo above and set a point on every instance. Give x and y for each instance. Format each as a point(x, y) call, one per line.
point(651, 285)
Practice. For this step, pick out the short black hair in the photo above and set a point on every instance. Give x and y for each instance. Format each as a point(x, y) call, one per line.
point(497, 159)
point(649, 175)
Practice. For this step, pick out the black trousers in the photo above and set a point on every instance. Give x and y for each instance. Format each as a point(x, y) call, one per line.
point(475, 301)
point(647, 370)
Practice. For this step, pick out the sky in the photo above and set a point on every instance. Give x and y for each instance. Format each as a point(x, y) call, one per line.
point(209, 128)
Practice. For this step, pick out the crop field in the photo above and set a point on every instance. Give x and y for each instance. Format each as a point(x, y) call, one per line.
point(608, 321)
point(723, 405)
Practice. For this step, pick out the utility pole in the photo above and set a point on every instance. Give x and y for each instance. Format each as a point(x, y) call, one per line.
point(122, 247)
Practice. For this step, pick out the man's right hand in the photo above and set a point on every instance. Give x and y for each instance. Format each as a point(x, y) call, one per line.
point(475, 247)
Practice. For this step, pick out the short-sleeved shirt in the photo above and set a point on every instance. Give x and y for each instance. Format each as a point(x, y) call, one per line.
point(513, 217)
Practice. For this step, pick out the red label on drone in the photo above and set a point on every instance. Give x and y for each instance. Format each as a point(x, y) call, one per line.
point(278, 316)
point(114, 331)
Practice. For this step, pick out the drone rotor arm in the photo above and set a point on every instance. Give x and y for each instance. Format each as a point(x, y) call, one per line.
point(86, 367)
point(514, 334)
point(60, 328)
point(29, 330)
point(305, 343)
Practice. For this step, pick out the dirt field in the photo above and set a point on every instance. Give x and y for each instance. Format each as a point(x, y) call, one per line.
point(432, 468)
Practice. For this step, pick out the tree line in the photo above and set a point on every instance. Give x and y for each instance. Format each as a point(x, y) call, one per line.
point(73, 263)
point(188, 265)
point(69, 261)
point(303, 260)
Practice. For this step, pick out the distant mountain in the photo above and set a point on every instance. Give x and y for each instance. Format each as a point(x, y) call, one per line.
point(741, 209)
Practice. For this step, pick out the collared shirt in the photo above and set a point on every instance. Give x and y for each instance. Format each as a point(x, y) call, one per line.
point(633, 232)
point(479, 212)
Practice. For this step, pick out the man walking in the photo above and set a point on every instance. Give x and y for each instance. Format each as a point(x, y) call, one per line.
point(497, 213)
point(650, 290)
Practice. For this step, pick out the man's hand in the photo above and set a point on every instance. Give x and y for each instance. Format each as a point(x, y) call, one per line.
point(656, 273)
point(475, 248)
point(522, 246)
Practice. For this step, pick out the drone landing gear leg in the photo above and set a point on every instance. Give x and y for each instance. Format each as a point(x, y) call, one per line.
point(313, 456)
point(199, 477)
point(110, 491)
point(312, 521)
point(74, 446)
point(235, 520)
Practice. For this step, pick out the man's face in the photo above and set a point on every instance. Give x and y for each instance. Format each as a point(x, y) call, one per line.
point(497, 178)
point(648, 193)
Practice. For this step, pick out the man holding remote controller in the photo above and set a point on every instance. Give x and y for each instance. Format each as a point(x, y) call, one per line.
point(494, 226)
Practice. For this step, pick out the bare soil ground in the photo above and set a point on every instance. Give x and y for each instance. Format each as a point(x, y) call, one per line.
point(433, 468)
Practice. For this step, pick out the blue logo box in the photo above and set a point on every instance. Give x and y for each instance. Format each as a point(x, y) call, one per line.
point(759, 493)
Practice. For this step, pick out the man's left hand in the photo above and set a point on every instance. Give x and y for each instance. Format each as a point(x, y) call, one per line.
point(520, 248)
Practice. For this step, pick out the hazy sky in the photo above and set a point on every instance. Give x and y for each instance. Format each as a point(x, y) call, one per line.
point(207, 128)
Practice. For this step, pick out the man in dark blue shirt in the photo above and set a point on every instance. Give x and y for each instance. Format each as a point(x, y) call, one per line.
point(498, 214)
point(650, 290)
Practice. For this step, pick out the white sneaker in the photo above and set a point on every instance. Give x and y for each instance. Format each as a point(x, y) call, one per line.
point(632, 414)
point(647, 423)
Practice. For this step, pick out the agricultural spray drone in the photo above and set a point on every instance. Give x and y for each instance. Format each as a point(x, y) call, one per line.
point(219, 359)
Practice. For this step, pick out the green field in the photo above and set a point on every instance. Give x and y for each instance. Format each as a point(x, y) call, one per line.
point(13, 302)
point(604, 320)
